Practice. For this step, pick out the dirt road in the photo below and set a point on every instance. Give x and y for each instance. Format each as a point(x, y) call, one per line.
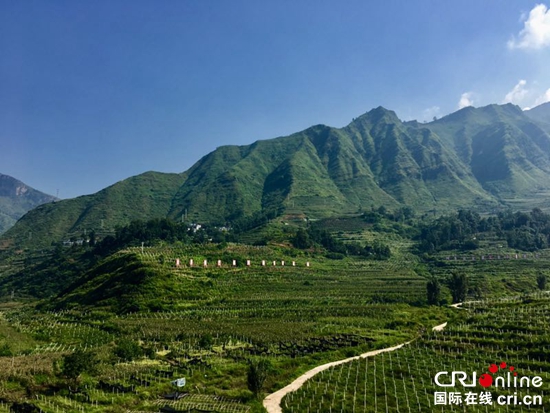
point(272, 403)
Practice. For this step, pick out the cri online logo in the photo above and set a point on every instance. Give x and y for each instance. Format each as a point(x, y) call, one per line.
point(509, 379)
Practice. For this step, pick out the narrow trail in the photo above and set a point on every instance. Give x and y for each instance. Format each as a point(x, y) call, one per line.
point(272, 402)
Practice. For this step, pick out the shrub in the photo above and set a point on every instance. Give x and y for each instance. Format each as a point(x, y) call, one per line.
point(77, 363)
point(128, 350)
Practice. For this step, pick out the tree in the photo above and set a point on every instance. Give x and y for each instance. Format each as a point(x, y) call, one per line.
point(378, 250)
point(434, 292)
point(458, 284)
point(206, 342)
point(92, 238)
point(541, 281)
point(77, 363)
point(257, 374)
point(301, 240)
point(24, 407)
point(382, 210)
point(128, 350)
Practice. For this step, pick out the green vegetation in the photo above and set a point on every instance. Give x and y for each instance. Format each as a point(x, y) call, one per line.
point(257, 375)
point(234, 332)
point(16, 199)
point(513, 330)
point(206, 325)
point(458, 284)
point(481, 158)
point(74, 364)
point(541, 281)
point(123, 316)
point(463, 230)
point(433, 290)
point(336, 248)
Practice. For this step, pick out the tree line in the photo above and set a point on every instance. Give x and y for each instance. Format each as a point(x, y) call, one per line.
point(307, 238)
point(527, 231)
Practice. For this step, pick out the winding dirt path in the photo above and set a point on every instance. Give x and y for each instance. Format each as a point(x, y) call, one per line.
point(272, 403)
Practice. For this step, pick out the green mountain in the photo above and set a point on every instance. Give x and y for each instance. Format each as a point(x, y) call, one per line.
point(16, 199)
point(541, 114)
point(476, 158)
point(507, 152)
point(137, 198)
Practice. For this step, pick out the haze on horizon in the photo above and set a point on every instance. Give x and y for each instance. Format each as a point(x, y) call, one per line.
point(94, 93)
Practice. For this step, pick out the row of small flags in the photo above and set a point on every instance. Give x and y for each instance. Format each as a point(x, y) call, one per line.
point(492, 257)
point(234, 263)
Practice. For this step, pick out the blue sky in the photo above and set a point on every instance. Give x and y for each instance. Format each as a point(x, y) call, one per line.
point(95, 92)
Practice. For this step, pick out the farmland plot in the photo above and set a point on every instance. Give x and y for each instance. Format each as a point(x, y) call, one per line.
point(502, 338)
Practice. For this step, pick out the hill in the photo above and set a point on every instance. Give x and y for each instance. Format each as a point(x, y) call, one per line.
point(138, 197)
point(541, 114)
point(16, 199)
point(505, 150)
point(481, 158)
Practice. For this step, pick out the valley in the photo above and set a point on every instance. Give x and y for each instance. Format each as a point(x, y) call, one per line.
point(142, 321)
point(261, 262)
point(274, 207)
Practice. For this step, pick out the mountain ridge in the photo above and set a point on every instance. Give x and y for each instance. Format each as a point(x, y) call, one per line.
point(17, 198)
point(482, 158)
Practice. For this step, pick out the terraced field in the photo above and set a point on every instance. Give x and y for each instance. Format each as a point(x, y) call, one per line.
point(293, 317)
point(206, 324)
point(509, 331)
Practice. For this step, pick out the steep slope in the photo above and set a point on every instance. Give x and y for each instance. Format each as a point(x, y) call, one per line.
point(474, 158)
point(541, 114)
point(123, 283)
point(142, 197)
point(412, 164)
point(16, 199)
point(376, 160)
point(229, 182)
point(506, 151)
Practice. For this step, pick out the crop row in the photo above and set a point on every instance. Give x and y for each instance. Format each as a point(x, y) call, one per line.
point(404, 380)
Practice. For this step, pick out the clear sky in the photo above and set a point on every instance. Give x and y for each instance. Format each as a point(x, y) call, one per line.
point(92, 92)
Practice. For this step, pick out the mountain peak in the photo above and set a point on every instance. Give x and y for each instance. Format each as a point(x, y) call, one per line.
point(381, 111)
point(490, 113)
point(17, 198)
point(475, 157)
point(508, 108)
point(540, 113)
point(377, 115)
